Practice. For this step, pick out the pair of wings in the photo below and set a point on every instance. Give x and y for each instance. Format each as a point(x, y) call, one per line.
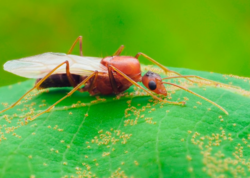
point(40, 65)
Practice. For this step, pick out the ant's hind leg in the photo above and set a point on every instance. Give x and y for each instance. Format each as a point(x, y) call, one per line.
point(70, 78)
point(118, 52)
point(95, 74)
point(80, 45)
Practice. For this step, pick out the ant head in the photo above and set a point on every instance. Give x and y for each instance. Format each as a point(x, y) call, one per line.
point(154, 83)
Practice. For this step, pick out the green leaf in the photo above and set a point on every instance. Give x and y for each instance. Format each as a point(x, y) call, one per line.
point(128, 135)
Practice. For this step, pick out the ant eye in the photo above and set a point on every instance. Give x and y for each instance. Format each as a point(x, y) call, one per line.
point(152, 85)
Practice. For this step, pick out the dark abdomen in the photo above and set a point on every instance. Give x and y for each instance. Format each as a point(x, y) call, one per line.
point(59, 80)
point(102, 84)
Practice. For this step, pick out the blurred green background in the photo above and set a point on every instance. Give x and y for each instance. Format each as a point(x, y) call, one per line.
point(197, 34)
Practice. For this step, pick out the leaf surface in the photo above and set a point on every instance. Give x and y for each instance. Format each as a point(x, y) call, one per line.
point(128, 135)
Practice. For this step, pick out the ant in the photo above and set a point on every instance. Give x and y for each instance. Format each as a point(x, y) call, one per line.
point(108, 75)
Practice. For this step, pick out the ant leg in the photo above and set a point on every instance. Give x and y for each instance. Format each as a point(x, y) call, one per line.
point(167, 70)
point(204, 79)
point(139, 86)
point(198, 96)
point(118, 52)
point(70, 78)
point(95, 74)
point(92, 84)
point(80, 45)
point(110, 68)
point(112, 80)
point(156, 63)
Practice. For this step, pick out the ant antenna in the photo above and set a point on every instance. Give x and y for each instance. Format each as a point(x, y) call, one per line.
point(221, 108)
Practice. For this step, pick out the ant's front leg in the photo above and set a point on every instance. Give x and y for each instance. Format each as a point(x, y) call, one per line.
point(112, 68)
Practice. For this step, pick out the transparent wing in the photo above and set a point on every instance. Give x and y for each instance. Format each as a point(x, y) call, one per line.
point(40, 65)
